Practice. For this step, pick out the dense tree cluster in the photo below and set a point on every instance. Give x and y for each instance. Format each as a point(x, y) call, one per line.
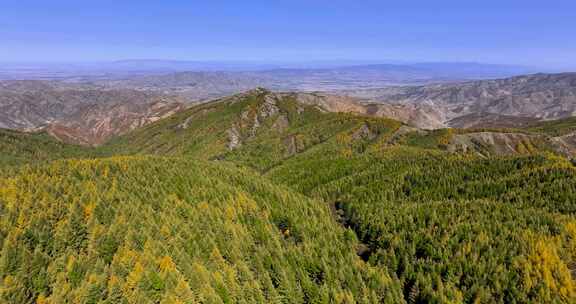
point(154, 230)
point(308, 207)
point(455, 228)
point(17, 148)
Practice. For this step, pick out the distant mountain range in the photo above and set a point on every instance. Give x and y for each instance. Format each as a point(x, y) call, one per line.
point(322, 75)
point(90, 113)
point(193, 86)
point(79, 113)
point(202, 85)
point(488, 103)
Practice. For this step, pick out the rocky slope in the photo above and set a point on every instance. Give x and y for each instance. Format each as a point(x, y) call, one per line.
point(418, 116)
point(263, 128)
point(80, 114)
point(487, 103)
point(97, 123)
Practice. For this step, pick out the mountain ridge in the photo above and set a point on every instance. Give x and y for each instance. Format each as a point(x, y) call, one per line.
point(538, 96)
point(91, 114)
point(267, 197)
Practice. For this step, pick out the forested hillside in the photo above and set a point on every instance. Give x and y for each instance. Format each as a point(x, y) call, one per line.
point(472, 230)
point(263, 198)
point(17, 148)
point(150, 230)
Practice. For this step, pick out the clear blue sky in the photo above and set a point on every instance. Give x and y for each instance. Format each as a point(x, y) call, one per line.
point(498, 31)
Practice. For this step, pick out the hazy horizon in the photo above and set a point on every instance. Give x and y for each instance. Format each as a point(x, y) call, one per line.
point(512, 33)
point(176, 65)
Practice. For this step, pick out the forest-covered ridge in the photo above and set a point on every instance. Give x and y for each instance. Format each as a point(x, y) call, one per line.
point(262, 198)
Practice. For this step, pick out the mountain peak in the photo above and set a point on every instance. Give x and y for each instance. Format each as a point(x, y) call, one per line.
point(258, 91)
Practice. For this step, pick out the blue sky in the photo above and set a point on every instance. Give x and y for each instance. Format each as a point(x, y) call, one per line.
point(527, 32)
